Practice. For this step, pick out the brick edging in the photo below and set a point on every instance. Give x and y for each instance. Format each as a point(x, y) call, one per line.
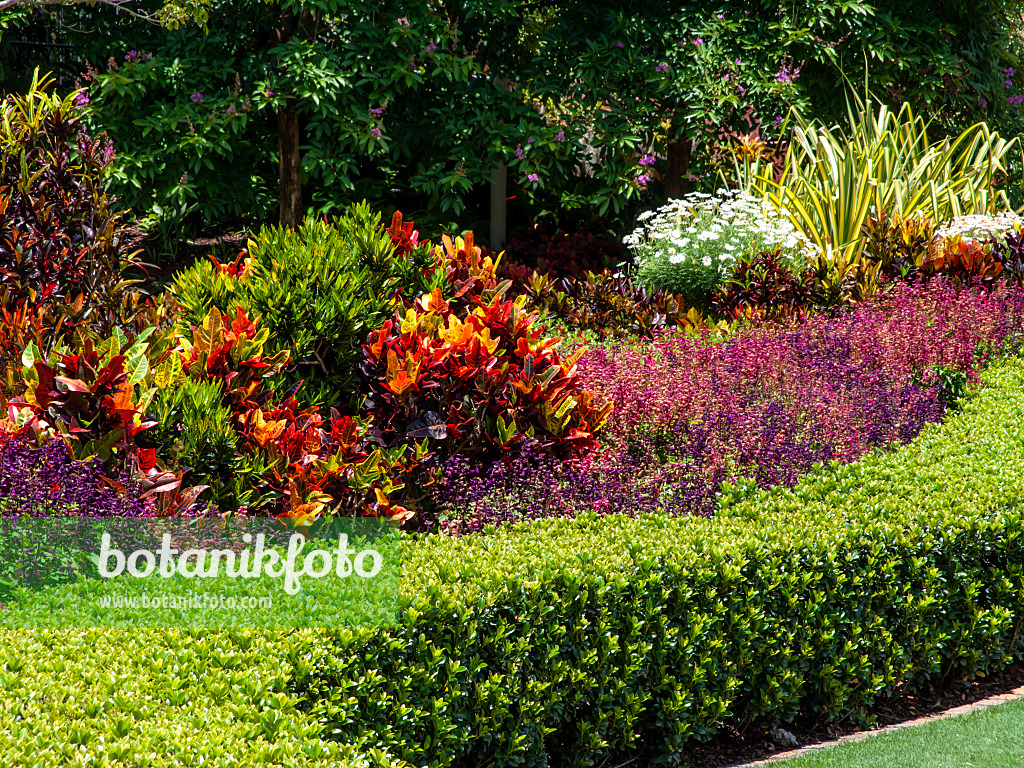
point(1002, 698)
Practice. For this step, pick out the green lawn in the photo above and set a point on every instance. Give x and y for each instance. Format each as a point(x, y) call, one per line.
point(992, 738)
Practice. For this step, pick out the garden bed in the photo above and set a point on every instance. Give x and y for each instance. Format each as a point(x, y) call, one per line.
point(594, 637)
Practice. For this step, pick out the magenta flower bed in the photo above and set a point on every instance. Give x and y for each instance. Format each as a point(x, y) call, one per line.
point(766, 403)
point(841, 375)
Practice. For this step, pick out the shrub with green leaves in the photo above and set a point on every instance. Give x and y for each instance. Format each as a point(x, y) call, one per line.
point(158, 698)
point(318, 289)
point(195, 427)
point(575, 641)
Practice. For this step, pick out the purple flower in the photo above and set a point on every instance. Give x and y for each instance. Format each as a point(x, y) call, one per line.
point(778, 119)
point(767, 404)
point(131, 56)
point(620, 45)
point(377, 111)
point(719, 15)
point(663, 67)
point(376, 132)
point(642, 179)
point(982, 103)
point(520, 154)
point(81, 98)
point(559, 137)
point(197, 97)
point(1008, 72)
point(738, 62)
point(230, 110)
point(48, 481)
point(430, 48)
point(699, 41)
point(741, 89)
point(1015, 100)
point(1008, 83)
point(647, 160)
point(533, 177)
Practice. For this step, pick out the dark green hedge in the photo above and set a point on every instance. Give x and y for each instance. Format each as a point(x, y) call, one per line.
point(572, 640)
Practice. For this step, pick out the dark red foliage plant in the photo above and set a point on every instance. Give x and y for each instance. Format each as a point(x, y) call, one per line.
point(765, 287)
point(62, 246)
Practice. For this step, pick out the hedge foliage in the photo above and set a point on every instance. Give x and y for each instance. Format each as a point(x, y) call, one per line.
point(574, 640)
point(156, 699)
point(570, 641)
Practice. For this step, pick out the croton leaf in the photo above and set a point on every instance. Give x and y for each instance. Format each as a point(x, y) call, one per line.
point(431, 425)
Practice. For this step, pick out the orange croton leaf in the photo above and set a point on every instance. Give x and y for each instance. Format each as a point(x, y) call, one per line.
point(397, 228)
point(264, 431)
point(393, 365)
point(241, 324)
point(381, 336)
point(400, 383)
point(433, 302)
point(449, 247)
point(400, 514)
point(523, 347)
point(457, 332)
point(123, 403)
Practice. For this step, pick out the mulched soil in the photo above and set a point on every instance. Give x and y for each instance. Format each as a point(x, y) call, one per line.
point(731, 748)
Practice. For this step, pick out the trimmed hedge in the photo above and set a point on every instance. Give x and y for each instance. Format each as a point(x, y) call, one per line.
point(155, 699)
point(571, 640)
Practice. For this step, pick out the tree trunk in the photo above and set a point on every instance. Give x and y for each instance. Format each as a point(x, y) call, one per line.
point(289, 165)
point(499, 202)
point(678, 171)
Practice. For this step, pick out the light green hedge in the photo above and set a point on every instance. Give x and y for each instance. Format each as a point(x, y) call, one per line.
point(576, 640)
point(590, 637)
point(156, 698)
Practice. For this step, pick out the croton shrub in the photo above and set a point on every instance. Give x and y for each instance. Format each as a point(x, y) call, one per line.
point(472, 374)
point(63, 249)
point(209, 406)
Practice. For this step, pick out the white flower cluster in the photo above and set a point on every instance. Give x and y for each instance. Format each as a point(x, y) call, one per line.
point(714, 230)
point(981, 226)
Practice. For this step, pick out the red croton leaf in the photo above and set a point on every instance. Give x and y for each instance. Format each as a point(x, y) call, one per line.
point(44, 390)
point(146, 458)
point(73, 385)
